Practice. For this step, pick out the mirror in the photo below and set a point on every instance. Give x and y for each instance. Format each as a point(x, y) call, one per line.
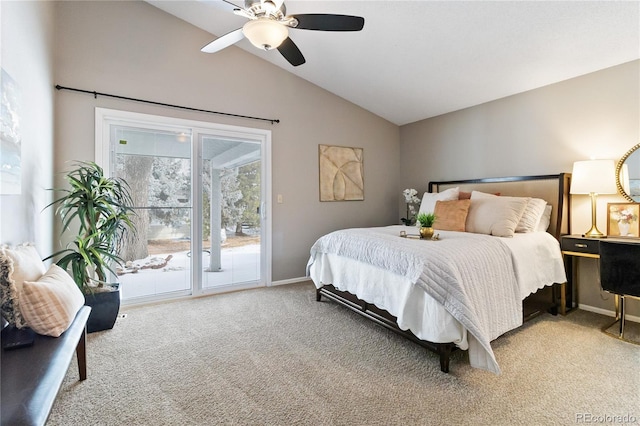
point(628, 175)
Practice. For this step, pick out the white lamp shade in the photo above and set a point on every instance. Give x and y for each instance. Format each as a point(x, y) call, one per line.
point(594, 176)
point(265, 33)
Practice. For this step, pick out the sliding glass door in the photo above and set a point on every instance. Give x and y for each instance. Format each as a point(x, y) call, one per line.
point(199, 196)
point(231, 217)
point(156, 163)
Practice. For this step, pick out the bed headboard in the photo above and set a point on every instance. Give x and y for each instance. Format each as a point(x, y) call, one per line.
point(552, 188)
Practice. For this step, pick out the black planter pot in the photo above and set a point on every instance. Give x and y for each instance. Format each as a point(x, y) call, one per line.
point(104, 309)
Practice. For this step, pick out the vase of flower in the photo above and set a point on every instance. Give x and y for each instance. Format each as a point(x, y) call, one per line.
point(624, 217)
point(411, 200)
point(623, 226)
point(426, 232)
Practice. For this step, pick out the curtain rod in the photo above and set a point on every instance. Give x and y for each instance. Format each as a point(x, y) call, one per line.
point(96, 94)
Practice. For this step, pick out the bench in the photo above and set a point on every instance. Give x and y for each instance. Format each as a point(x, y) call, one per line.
point(31, 376)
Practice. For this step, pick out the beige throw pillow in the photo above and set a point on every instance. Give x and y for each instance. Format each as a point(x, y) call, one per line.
point(50, 304)
point(17, 265)
point(533, 212)
point(531, 215)
point(497, 216)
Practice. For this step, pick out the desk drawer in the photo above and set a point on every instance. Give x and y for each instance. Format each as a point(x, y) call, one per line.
point(580, 245)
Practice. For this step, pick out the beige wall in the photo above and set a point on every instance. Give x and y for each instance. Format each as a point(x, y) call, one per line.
point(135, 50)
point(542, 131)
point(27, 57)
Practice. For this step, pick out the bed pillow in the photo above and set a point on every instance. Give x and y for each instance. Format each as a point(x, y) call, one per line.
point(428, 204)
point(545, 220)
point(497, 216)
point(463, 195)
point(17, 265)
point(478, 194)
point(531, 216)
point(50, 304)
point(451, 215)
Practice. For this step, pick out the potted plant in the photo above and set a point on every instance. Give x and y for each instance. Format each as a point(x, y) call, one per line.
point(426, 224)
point(101, 209)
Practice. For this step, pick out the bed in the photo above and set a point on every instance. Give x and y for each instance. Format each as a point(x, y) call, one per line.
point(465, 289)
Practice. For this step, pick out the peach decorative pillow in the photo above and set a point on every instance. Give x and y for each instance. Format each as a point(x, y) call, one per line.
point(479, 194)
point(451, 215)
point(50, 304)
point(463, 195)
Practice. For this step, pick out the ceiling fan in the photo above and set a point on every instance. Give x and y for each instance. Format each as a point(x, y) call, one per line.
point(268, 28)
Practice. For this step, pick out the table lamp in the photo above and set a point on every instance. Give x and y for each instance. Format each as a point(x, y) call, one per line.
point(593, 177)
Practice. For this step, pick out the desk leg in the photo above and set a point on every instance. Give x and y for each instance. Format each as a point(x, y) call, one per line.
point(569, 293)
point(620, 313)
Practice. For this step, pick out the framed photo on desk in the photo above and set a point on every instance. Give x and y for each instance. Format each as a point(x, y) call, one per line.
point(622, 219)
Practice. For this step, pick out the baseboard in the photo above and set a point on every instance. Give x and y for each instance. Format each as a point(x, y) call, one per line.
point(607, 312)
point(290, 281)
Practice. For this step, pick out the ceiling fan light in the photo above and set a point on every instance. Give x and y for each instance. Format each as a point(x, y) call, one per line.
point(265, 33)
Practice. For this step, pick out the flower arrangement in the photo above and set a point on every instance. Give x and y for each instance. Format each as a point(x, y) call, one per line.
point(411, 200)
point(623, 215)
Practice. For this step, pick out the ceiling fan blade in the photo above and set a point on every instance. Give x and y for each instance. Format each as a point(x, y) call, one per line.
point(329, 22)
point(223, 41)
point(243, 13)
point(291, 53)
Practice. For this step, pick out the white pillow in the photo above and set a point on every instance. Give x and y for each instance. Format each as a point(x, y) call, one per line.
point(497, 216)
point(27, 265)
point(50, 304)
point(531, 215)
point(545, 219)
point(478, 194)
point(428, 204)
point(18, 264)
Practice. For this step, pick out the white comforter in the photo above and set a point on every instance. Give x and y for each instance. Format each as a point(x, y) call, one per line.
point(479, 280)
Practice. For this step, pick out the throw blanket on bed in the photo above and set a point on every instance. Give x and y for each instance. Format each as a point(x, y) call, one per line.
point(471, 275)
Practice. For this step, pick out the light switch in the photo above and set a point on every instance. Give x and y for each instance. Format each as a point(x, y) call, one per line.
point(279, 198)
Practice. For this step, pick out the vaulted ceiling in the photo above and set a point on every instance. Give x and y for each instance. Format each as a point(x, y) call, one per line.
point(419, 59)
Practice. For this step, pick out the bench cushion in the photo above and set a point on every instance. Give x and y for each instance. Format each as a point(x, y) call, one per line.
point(32, 376)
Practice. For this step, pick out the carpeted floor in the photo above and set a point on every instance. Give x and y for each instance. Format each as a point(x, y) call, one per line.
point(275, 356)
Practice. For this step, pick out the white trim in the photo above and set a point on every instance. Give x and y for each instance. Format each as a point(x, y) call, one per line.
point(172, 297)
point(291, 281)
point(607, 312)
point(265, 211)
point(261, 136)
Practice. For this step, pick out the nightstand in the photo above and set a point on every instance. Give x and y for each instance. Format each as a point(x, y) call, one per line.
point(573, 247)
point(577, 245)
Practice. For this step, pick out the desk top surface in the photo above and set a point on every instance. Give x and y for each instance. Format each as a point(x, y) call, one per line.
point(618, 239)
